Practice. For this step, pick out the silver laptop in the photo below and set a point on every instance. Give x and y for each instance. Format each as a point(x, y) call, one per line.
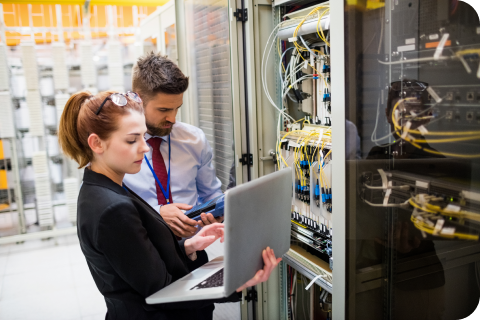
point(257, 215)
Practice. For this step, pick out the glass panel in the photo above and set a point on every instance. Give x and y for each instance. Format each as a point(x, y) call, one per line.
point(171, 43)
point(209, 59)
point(413, 189)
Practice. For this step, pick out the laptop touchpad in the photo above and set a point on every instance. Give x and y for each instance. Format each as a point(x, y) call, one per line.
point(198, 274)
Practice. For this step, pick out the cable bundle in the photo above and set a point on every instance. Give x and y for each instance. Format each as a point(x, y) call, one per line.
point(405, 133)
point(115, 65)
point(60, 72)
point(7, 129)
point(4, 72)
point(42, 189)
point(290, 81)
point(87, 67)
point(29, 62)
point(35, 113)
point(70, 186)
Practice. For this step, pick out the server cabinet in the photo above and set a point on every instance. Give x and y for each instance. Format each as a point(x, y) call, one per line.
point(410, 222)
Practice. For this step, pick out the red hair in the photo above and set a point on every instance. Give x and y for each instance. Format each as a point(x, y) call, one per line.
point(79, 120)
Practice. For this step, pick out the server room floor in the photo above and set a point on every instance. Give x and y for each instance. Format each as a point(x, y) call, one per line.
point(49, 279)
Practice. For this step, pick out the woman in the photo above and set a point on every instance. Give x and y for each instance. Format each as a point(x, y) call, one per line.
point(130, 251)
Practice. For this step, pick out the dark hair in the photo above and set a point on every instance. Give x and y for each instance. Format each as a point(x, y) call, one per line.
point(154, 73)
point(79, 120)
point(411, 88)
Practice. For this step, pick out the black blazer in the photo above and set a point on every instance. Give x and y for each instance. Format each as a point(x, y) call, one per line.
point(132, 253)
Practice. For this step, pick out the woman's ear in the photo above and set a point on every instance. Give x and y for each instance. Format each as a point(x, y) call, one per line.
point(95, 143)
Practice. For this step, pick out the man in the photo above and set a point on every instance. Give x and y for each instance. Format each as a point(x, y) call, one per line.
point(179, 155)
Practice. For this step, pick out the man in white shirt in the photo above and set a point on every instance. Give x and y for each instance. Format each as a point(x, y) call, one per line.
point(188, 165)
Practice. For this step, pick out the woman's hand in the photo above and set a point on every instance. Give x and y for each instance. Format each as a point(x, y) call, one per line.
point(205, 237)
point(262, 275)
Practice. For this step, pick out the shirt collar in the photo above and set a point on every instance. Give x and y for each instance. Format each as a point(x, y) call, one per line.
point(148, 136)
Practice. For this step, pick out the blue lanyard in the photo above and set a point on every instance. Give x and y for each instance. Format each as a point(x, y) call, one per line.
point(165, 193)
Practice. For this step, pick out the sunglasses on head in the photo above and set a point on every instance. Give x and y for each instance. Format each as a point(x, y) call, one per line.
point(120, 99)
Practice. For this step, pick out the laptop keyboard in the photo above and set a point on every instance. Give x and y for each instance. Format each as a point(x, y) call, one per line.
point(215, 280)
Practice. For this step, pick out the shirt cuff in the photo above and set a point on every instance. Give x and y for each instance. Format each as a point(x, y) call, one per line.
point(193, 256)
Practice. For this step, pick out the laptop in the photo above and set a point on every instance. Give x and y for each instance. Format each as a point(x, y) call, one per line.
point(257, 215)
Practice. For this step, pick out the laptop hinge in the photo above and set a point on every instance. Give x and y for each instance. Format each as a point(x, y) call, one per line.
point(246, 159)
point(251, 295)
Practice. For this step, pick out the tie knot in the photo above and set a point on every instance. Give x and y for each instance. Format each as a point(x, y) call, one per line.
point(155, 142)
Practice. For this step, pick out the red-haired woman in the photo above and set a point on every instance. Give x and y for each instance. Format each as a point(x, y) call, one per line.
point(130, 250)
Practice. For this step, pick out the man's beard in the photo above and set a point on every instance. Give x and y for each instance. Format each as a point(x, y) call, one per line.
point(157, 130)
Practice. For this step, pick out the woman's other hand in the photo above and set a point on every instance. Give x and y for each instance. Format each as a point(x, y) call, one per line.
point(205, 237)
point(262, 275)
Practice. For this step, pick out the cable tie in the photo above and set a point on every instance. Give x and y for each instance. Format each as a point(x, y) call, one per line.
point(383, 176)
point(422, 130)
point(450, 231)
point(434, 95)
point(452, 208)
point(405, 129)
point(313, 281)
point(387, 194)
point(441, 45)
point(465, 64)
point(438, 226)
point(397, 114)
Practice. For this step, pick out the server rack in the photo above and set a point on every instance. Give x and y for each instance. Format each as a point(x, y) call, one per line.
point(406, 253)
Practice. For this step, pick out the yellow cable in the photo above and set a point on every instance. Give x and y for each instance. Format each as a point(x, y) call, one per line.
point(468, 51)
point(280, 53)
point(446, 140)
point(287, 134)
point(321, 29)
point(463, 236)
point(301, 48)
point(449, 154)
point(433, 133)
point(416, 145)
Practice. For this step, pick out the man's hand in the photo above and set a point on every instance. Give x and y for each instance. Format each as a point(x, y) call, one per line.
point(208, 218)
point(204, 238)
point(180, 224)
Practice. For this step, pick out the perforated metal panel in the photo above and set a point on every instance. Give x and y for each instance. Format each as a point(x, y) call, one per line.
point(208, 32)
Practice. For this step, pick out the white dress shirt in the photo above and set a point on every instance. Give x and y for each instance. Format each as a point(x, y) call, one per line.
point(192, 176)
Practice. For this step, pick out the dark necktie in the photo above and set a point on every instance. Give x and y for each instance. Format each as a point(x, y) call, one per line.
point(160, 170)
